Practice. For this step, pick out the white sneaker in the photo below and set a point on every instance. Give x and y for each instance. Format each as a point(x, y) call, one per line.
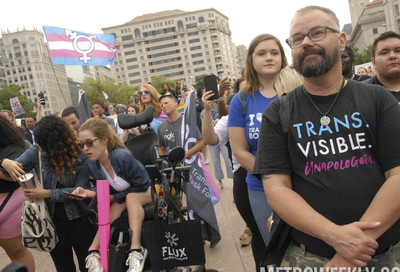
point(206, 160)
point(93, 262)
point(136, 260)
point(220, 184)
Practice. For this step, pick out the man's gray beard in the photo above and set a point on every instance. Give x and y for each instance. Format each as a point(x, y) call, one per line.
point(316, 68)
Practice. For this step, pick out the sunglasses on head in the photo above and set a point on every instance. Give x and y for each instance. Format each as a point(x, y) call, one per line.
point(88, 143)
point(144, 92)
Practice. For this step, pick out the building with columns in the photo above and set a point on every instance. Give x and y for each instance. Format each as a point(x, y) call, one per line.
point(371, 19)
point(26, 63)
point(174, 44)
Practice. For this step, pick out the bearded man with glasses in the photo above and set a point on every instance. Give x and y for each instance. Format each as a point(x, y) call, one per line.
point(329, 157)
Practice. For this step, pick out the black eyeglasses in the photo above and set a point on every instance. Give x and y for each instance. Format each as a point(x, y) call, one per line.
point(88, 143)
point(316, 34)
point(145, 92)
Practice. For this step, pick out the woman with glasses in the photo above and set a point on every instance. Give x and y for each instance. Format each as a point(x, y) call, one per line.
point(64, 167)
point(129, 186)
point(148, 95)
point(265, 59)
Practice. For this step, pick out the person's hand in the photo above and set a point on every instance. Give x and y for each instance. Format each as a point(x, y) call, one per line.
point(13, 168)
point(38, 103)
point(36, 193)
point(83, 193)
point(224, 87)
point(205, 98)
point(338, 261)
point(351, 242)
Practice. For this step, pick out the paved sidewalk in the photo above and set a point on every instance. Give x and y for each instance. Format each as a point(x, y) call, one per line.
point(228, 255)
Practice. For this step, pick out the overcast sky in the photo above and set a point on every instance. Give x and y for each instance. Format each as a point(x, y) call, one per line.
point(247, 18)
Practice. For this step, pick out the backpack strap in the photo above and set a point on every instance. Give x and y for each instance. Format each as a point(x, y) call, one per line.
point(243, 100)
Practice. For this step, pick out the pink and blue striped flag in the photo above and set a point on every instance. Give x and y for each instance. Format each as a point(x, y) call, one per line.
point(69, 47)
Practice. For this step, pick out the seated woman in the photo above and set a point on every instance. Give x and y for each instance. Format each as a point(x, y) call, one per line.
point(149, 96)
point(132, 109)
point(129, 186)
point(64, 167)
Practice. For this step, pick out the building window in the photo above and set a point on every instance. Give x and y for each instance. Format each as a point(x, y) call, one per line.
point(128, 45)
point(396, 9)
point(127, 38)
point(374, 31)
point(398, 25)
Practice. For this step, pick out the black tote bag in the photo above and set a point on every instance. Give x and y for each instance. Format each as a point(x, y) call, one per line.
point(173, 245)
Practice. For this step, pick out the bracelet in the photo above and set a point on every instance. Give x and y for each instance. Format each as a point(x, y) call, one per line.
point(221, 99)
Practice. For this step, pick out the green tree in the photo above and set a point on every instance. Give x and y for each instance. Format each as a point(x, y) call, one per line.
point(157, 82)
point(360, 58)
point(12, 90)
point(118, 93)
point(199, 82)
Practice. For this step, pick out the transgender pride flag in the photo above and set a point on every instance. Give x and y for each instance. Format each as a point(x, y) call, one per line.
point(69, 47)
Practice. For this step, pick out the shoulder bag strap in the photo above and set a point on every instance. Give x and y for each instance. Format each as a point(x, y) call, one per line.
point(6, 200)
point(40, 168)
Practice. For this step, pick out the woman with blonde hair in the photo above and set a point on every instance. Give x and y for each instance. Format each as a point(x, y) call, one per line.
point(149, 96)
point(129, 186)
point(287, 80)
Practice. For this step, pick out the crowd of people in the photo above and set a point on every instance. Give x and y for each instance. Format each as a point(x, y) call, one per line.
point(313, 142)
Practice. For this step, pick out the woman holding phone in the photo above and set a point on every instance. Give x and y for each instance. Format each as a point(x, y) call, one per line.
point(129, 187)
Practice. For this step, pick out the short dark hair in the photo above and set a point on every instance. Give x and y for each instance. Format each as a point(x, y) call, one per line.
point(70, 110)
point(173, 97)
point(382, 37)
point(96, 101)
point(349, 51)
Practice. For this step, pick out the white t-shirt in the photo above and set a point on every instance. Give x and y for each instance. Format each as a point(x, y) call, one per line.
point(118, 183)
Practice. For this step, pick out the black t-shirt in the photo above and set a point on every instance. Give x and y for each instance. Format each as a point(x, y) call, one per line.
point(376, 81)
point(10, 152)
point(338, 168)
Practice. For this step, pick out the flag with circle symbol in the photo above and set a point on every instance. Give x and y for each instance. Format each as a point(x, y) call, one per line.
point(69, 47)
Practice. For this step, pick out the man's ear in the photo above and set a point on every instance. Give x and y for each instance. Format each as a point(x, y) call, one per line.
point(342, 40)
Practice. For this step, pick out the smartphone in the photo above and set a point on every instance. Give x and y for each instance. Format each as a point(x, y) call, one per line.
point(210, 83)
point(23, 124)
point(41, 95)
point(71, 194)
point(224, 75)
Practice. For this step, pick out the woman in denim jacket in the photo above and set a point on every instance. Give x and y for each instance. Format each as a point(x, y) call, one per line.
point(129, 186)
point(64, 168)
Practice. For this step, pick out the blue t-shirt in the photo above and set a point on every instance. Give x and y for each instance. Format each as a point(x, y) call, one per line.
point(251, 121)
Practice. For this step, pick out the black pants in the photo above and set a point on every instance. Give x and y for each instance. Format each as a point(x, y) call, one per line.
point(76, 234)
point(241, 197)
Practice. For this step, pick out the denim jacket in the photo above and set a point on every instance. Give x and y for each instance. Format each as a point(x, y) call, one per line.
point(126, 167)
point(30, 161)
